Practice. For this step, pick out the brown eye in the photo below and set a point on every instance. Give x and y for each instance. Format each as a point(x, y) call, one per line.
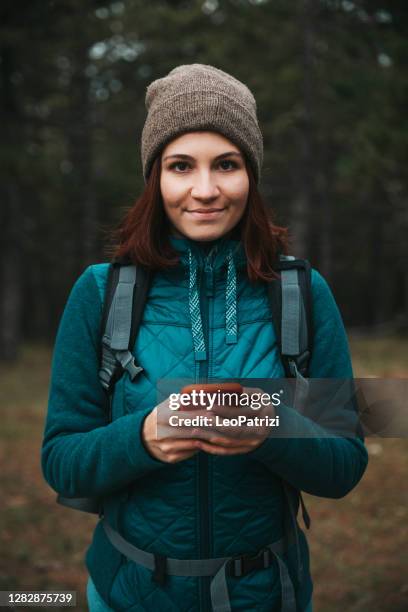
point(228, 161)
point(177, 164)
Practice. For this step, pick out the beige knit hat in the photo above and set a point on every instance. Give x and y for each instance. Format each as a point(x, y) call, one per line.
point(196, 97)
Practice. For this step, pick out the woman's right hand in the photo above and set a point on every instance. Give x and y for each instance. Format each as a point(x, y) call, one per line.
point(166, 448)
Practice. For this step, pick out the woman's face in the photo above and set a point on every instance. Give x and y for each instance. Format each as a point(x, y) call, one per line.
point(204, 185)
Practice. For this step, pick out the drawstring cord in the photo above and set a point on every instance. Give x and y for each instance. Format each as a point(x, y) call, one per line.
point(200, 353)
point(231, 325)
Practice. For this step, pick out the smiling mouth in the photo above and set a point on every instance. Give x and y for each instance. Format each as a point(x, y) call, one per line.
point(205, 211)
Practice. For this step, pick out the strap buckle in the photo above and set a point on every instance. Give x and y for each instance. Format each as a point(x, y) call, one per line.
point(160, 569)
point(110, 369)
point(128, 363)
point(243, 564)
point(298, 364)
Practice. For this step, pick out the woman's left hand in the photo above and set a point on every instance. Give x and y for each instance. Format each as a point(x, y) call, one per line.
point(225, 439)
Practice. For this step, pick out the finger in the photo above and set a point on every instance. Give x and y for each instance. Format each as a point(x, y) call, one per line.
point(236, 433)
point(231, 412)
point(213, 449)
point(228, 411)
point(217, 440)
point(228, 434)
point(250, 442)
point(229, 442)
point(204, 431)
point(166, 432)
point(208, 429)
point(176, 457)
point(171, 445)
point(247, 411)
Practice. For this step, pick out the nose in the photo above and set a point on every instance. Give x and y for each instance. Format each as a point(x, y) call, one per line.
point(204, 186)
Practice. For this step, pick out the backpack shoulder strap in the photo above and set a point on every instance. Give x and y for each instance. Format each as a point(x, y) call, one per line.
point(125, 297)
point(290, 298)
point(291, 305)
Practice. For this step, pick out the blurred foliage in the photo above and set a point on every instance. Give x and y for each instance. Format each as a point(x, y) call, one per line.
point(330, 81)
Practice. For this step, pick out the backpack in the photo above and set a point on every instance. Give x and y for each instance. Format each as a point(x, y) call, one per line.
point(290, 298)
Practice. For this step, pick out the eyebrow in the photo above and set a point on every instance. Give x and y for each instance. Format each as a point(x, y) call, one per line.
point(183, 156)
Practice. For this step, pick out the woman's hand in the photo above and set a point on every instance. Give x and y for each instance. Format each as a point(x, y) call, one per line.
point(174, 444)
point(235, 440)
point(158, 442)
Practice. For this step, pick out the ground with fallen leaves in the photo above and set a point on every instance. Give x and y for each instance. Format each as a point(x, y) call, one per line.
point(358, 544)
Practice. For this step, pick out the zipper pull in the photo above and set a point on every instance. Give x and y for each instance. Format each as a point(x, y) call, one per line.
point(209, 279)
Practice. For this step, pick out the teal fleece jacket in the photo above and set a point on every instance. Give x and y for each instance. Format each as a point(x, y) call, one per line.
point(205, 506)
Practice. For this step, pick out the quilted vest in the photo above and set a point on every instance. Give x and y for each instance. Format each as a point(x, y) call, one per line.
point(203, 320)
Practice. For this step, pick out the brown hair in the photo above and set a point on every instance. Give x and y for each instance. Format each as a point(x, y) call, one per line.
point(142, 235)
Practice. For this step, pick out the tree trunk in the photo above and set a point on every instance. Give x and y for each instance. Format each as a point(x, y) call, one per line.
point(303, 200)
point(80, 145)
point(11, 216)
point(325, 222)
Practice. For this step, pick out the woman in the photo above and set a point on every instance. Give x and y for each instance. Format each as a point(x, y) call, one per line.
point(202, 227)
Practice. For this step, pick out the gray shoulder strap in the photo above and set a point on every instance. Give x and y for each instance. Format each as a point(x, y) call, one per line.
point(117, 332)
point(116, 337)
point(294, 334)
point(294, 327)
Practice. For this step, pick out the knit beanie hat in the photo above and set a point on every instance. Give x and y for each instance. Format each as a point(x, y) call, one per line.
point(197, 97)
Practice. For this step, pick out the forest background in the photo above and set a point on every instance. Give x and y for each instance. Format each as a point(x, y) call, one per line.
point(330, 79)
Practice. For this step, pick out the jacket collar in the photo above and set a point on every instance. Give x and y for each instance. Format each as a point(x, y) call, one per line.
point(216, 252)
point(223, 253)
